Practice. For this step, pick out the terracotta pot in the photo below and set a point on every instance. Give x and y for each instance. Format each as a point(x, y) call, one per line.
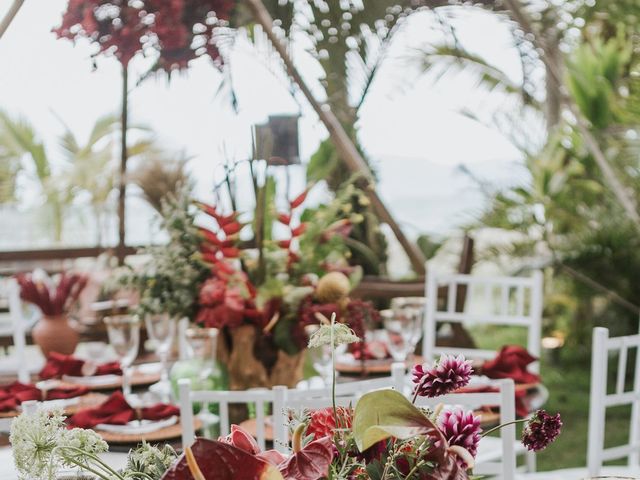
point(247, 371)
point(55, 334)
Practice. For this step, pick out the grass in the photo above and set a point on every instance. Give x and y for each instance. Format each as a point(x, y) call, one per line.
point(568, 381)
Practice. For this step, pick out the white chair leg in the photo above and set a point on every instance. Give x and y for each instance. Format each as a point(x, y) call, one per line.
point(530, 461)
point(186, 412)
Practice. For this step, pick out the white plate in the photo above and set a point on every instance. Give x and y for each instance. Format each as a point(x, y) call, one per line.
point(93, 380)
point(136, 427)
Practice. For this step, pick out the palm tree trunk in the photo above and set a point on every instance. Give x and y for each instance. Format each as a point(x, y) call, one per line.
point(11, 14)
point(123, 167)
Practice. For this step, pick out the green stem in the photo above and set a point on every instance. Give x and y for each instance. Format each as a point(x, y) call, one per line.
point(494, 429)
point(333, 370)
point(91, 456)
point(415, 468)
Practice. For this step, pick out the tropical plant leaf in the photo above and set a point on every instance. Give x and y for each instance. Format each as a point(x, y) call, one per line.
point(387, 413)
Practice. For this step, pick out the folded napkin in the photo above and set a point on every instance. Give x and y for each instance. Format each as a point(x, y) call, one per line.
point(116, 411)
point(522, 401)
point(58, 365)
point(512, 362)
point(12, 395)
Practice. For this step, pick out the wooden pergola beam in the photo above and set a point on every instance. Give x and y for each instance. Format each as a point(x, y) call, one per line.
point(343, 143)
point(10, 15)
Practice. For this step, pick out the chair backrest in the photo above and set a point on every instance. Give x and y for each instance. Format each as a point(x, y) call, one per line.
point(605, 349)
point(18, 326)
point(261, 398)
point(504, 398)
point(513, 301)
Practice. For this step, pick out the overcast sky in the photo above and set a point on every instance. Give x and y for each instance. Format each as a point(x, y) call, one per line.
point(412, 129)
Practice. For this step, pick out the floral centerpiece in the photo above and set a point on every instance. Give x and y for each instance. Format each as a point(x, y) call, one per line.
point(55, 297)
point(384, 437)
point(258, 279)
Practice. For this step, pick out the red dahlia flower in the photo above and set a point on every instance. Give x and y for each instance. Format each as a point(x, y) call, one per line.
point(462, 429)
point(444, 376)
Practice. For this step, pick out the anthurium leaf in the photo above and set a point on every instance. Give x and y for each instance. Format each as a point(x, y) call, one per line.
point(221, 461)
point(387, 413)
point(310, 463)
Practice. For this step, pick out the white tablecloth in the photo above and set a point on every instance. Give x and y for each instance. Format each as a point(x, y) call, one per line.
point(8, 472)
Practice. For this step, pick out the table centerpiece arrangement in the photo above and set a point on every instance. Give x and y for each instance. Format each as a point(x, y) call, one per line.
point(259, 279)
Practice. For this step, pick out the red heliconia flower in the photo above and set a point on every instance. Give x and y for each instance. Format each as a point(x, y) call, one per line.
point(230, 252)
point(299, 230)
point(209, 236)
point(445, 376)
point(284, 218)
point(541, 430)
point(231, 228)
point(284, 243)
point(462, 429)
point(299, 200)
point(322, 422)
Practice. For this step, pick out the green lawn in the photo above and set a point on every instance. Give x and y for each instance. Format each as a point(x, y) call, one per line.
point(568, 381)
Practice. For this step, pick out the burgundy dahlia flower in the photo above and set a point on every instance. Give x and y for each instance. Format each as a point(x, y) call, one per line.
point(461, 428)
point(445, 376)
point(541, 430)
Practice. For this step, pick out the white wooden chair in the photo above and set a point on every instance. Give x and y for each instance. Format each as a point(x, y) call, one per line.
point(604, 349)
point(506, 301)
point(19, 361)
point(514, 301)
point(261, 398)
point(503, 465)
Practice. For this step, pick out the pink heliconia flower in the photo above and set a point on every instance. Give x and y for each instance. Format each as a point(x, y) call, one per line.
point(541, 430)
point(241, 439)
point(445, 376)
point(461, 429)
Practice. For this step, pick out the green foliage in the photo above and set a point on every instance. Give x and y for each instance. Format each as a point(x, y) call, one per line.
point(384, 414)
point(169, 281)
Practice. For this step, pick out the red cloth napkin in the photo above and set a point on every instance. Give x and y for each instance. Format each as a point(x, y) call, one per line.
point(116, 411)
point(522, 401)
point(512, 362)
point(58, 365)
point(12, 395)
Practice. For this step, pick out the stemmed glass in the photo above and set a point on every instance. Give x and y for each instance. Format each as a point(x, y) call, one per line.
point(404, 330)
point(124, 337)
point(161, 329)
point(321, 356)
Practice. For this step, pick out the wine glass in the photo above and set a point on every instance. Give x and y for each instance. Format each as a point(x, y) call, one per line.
point(404, 330)
point(124, 337)
point(321, 356)
point(161, 329)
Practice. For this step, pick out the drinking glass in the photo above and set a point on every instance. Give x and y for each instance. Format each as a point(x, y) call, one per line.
point(404, 330)
point(124, 337)
point(321, 356)
point(161, 329)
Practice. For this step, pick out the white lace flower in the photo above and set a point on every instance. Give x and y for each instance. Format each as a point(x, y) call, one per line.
point(340, 332)
point(33, 438)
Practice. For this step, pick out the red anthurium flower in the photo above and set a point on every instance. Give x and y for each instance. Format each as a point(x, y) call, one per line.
point(241, 439)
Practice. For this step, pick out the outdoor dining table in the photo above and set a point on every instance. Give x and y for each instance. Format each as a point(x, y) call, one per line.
point(116, 460)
